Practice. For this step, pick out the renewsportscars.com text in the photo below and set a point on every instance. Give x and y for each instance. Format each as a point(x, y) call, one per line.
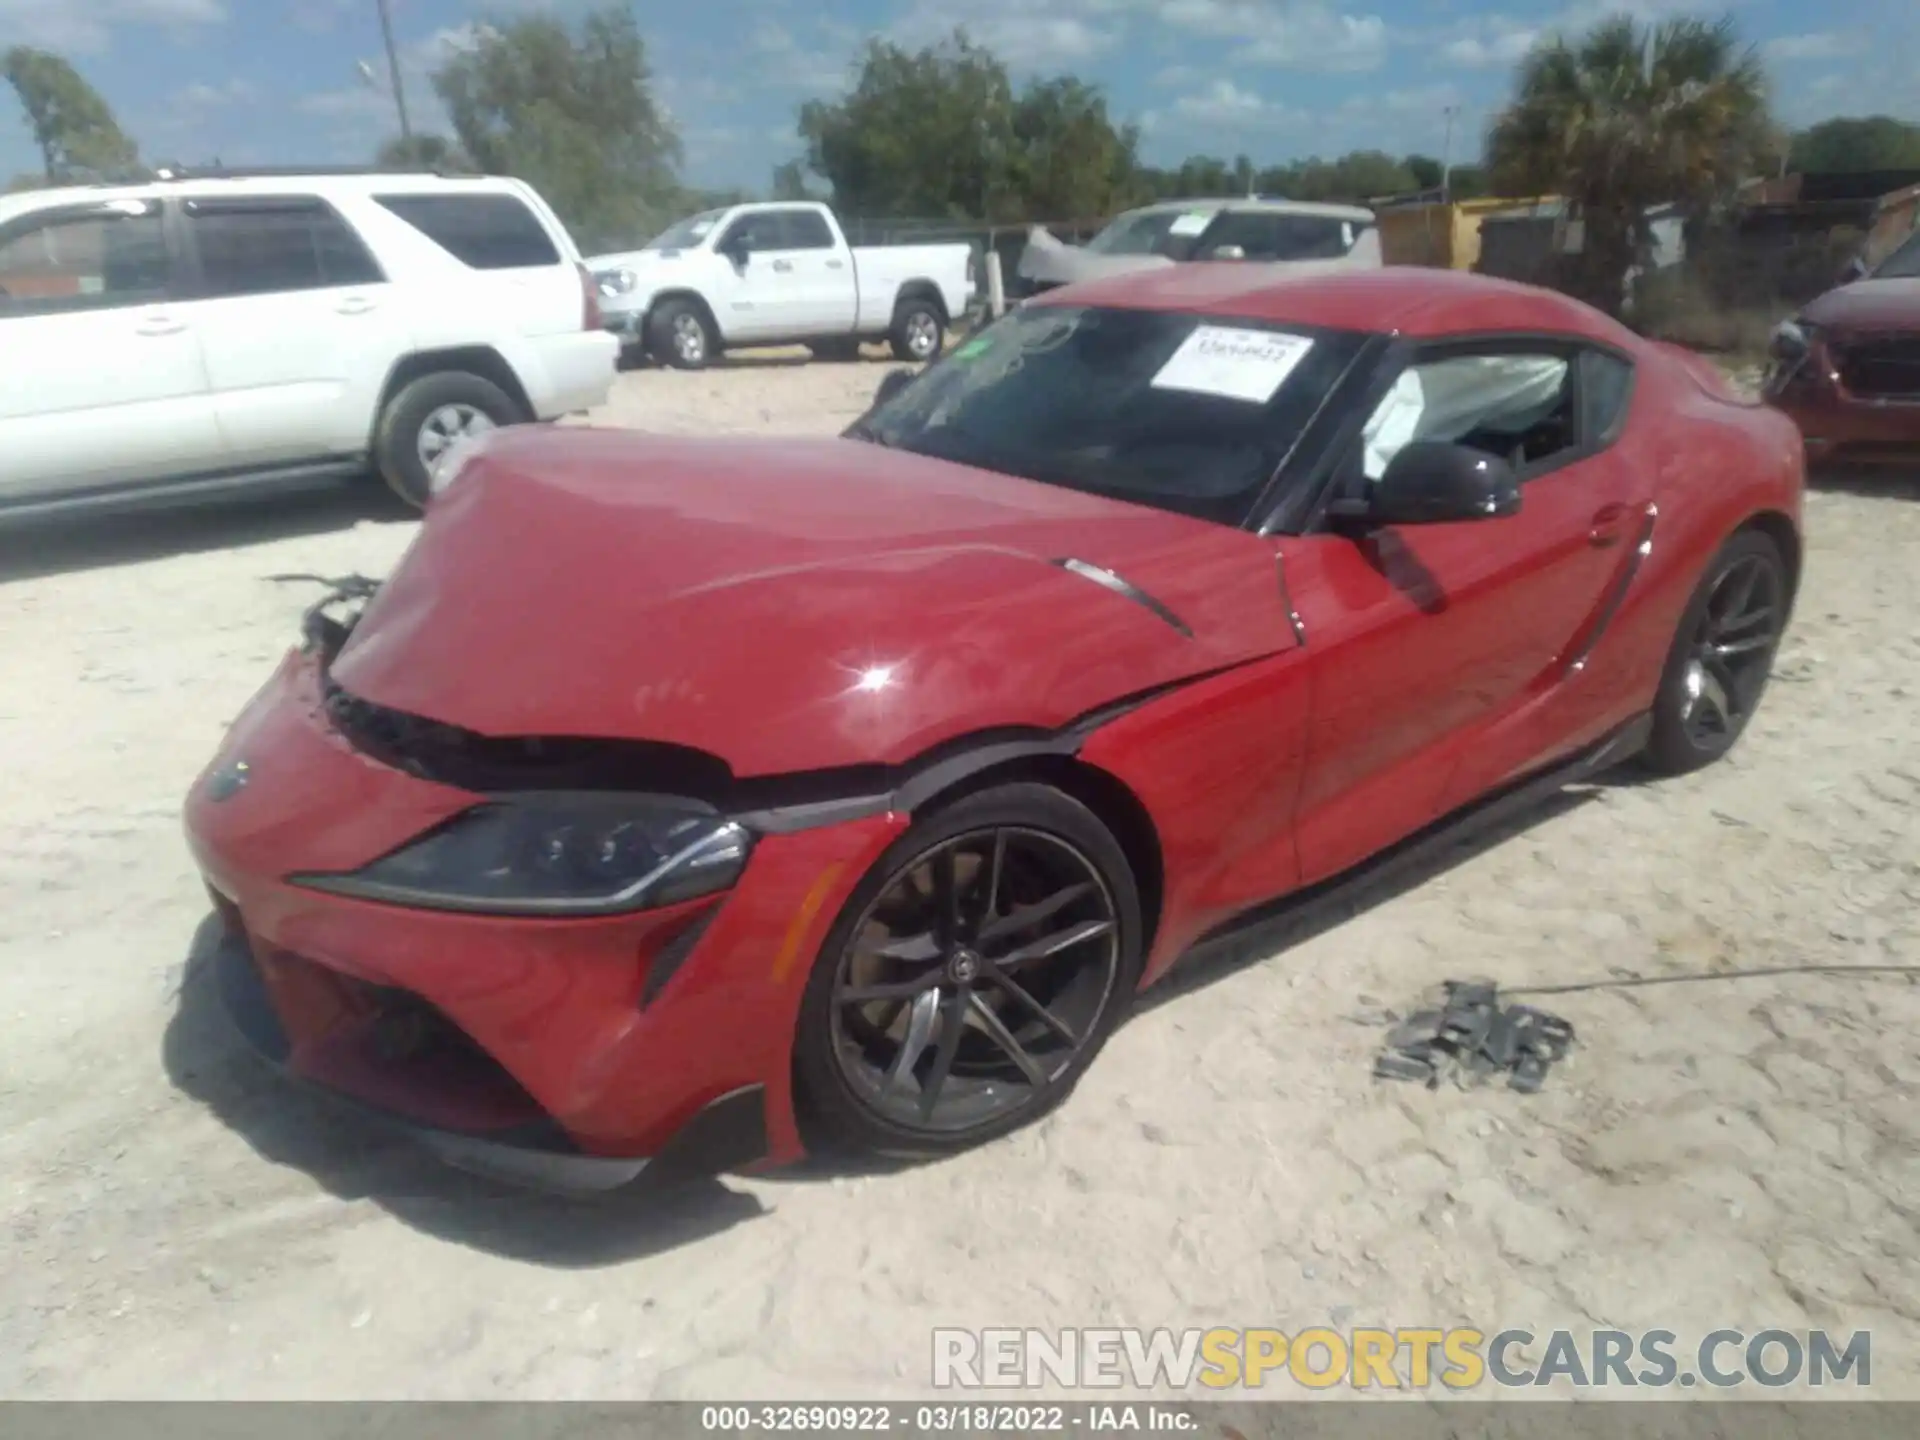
point(1395, 1359)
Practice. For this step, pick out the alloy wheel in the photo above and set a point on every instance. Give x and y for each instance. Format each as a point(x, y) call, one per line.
point(974, 980)
point(689, 339)
point(1732, 651)
point(448, 425)
point(923, 334)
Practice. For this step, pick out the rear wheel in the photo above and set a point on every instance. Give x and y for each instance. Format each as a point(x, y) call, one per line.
point(427, 419)
point(919, 331)
point(972, 978)
point(1721, 657)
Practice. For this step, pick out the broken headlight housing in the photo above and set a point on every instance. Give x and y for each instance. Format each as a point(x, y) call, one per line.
point(556, 855)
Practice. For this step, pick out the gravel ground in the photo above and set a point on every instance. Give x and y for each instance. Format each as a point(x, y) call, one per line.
point(1734, 1152)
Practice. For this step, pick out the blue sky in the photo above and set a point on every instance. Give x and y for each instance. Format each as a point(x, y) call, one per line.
point(265, 81)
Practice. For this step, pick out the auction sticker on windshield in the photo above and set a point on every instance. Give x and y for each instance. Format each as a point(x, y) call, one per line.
point(1235, 364)
point(1191, 223)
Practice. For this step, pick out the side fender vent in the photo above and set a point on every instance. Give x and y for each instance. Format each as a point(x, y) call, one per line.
point(1124, 588)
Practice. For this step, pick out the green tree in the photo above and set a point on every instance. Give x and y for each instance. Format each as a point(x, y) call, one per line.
point(1628, 117)
point(790, 182)
point(922, 133)
point(1070, 162)
point(1425, 170)
point(1855, 143)
point(421, 152)
point(573, 114)
point(78, 137)
point(941, 132)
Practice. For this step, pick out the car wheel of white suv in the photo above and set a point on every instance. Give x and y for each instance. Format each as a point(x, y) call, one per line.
point(427, 419)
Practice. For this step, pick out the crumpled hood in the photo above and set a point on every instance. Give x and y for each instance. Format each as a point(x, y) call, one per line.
point(789, 605)
point(1868, 305)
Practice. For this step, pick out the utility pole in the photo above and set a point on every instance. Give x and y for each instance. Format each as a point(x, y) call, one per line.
point(393, 69)
point(1446, 157)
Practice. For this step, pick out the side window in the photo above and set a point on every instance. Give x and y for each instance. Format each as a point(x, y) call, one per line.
point(482, 232)
point(762, 230)
point(272, 248)
point(1606, 389)
point(1517, 405)
point(93, 259)
point(1251, 231)
point(1312, 237)
point(807, 230)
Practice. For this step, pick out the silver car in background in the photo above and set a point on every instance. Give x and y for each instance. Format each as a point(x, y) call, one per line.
point(1260, 231)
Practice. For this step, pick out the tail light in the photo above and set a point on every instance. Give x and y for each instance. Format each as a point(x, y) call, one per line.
point(590, 317)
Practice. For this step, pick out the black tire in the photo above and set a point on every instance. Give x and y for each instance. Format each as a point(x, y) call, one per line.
point(1684, 739)
point(834, 1115)
point(399, 438)
point(841, 352)
point(672, 328)
point(919, 331)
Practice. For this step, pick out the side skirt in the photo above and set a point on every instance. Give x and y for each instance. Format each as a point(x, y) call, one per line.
point(1443, 834)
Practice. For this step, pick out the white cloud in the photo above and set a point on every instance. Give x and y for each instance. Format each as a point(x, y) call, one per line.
point(817, 65)
point(214, 97)
point(89, 25)
point(1302, 36)
point(1821, 45)
point(1225, 106)
point(1025, 34)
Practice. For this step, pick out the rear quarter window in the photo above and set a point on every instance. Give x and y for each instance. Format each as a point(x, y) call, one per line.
point(484, 232)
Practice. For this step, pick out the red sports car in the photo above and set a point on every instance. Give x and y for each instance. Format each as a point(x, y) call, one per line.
point(691, 803)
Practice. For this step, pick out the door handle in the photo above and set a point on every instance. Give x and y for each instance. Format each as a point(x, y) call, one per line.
point(157, 325)
point(1609, 524)
point(354, 305)
point(783, 265)
point(836, 265)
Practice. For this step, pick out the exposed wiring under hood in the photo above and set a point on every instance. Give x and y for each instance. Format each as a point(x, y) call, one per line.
point(321, 629)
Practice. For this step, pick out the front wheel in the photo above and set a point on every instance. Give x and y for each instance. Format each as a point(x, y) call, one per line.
point(1721, 657)
point(972, 977)
point(679, 335)
point(919, 331)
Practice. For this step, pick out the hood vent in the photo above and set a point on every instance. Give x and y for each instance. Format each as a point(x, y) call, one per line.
point(1125, 588)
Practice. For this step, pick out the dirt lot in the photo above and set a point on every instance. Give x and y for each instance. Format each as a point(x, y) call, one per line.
point(1737, 1152)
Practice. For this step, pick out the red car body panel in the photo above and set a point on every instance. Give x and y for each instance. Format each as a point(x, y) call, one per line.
point(1332, 696)
point(1847, 410)
point(682, 554)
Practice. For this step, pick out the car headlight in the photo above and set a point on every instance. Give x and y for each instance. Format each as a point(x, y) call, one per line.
point(1791, 339)
point(556, 855)
point(616, 282)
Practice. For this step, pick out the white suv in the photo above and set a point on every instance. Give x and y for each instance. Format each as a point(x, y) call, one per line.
point(203, 334)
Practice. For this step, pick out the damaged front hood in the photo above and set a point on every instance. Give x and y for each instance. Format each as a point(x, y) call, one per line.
point(791, 605)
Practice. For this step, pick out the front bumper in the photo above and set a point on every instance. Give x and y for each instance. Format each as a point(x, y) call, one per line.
point(579, 1054)
point(1836, 425)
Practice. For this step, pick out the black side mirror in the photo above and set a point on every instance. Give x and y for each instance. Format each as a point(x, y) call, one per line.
point(736, 248)
point(891, 384)
point(1431, 482)
point(1856, 270)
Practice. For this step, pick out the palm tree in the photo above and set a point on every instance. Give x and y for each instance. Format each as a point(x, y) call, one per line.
point(1628, 117)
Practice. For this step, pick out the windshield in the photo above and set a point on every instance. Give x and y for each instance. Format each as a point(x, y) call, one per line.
point(1182, 412)
point(1902, 264)
point(688, 232)
point(1172, 233)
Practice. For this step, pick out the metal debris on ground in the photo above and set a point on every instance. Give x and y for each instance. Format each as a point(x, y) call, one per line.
point(1471, 1039)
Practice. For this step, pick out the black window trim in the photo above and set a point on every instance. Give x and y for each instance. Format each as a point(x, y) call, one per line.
point(192, 271)
point(39, 218)
point(1317, 487)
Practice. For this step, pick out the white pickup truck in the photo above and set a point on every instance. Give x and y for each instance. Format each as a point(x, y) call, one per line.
point(779, 274)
